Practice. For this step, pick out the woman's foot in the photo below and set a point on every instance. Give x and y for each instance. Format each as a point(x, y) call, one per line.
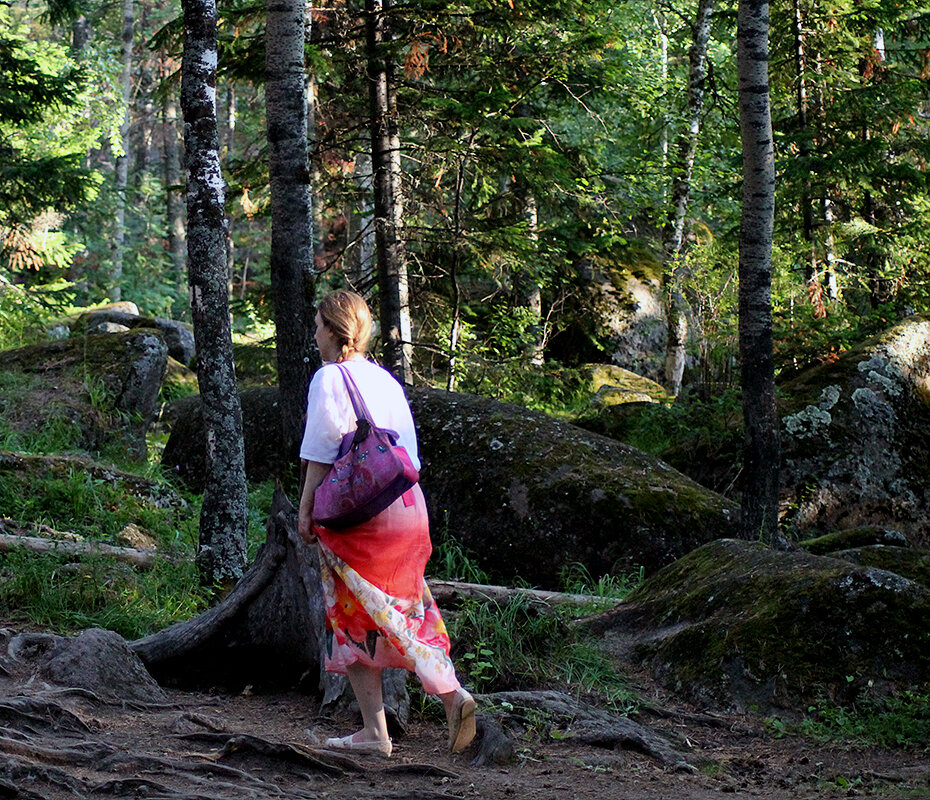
point(358, 744)
point(460, 713)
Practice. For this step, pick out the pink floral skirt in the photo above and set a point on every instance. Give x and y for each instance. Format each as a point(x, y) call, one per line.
point(379, 610)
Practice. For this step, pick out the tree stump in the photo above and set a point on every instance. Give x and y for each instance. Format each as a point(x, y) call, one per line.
point(267, 633)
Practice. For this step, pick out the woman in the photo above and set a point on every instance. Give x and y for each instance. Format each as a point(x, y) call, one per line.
point(379, 611)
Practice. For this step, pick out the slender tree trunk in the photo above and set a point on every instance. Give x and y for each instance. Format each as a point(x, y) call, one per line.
point(761, 454)
point(122, 161)
point(222, 553)
point(363, 216)
point(673, 233)
point(227, 152)
point(529, 289)
point(454, 277)
point(291, 213)
point(81, 33)
point(804, 141)
point(174, 204)
point(385, 155)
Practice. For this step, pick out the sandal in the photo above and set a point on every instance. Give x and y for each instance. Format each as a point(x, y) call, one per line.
point(461, 721)
point(349, 743)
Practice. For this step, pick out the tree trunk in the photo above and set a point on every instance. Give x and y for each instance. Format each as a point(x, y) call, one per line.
point(122, 161)
point(674, 273)
point(227, 151)
point(174, 204)
point(528, 287)
point(385, 161)
point(761, 454)
point(222, 551)
point(291, 213)
point(804, 140)
point(361, 214)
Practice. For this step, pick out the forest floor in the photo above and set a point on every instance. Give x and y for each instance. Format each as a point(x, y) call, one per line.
point(233, 746)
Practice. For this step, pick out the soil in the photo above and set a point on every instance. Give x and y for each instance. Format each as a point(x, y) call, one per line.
point(220, 745)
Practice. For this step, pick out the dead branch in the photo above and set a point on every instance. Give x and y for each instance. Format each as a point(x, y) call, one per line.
point(450, 592)
point(143, 559)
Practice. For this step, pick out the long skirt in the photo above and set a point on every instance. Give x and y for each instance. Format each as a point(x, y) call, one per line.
point(379, 610)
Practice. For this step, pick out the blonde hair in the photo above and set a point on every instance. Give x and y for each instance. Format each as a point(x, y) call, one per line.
point(348, 317)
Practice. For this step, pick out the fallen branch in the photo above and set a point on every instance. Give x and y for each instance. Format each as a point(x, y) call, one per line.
point(143, 559)
point(448, 592)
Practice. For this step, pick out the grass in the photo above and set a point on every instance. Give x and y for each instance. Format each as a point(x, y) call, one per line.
point(502, 646)
point(61, 594)
point(899, 721)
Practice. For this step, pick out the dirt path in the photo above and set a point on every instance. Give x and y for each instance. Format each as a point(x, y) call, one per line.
point(232, 747)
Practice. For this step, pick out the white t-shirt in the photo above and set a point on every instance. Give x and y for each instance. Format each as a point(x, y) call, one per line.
point(330, 414)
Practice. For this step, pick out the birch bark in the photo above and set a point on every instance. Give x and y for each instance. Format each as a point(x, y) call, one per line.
point(761, 453)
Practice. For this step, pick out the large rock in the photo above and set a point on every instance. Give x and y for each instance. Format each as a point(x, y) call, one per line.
point(736, 625)
point(106, 385)
point(856, 437)
point(184, 452)
point(528, 495)
point(98, 660)
point(179, 336)
point(615, 311)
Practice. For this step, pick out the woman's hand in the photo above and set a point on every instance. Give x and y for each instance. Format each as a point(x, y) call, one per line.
point(316, 471)
point(305, 526)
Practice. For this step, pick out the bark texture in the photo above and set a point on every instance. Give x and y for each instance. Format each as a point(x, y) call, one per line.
point(674, 231)
point(760, 465)
point(174, 202)
point(122, 161)
point(291, 211)
point(222, 550)
point(385, 163)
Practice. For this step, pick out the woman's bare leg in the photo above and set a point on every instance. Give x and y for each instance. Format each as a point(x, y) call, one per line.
point(366, 683)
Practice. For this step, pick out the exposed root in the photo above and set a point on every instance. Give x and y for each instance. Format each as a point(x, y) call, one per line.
point(593, 726)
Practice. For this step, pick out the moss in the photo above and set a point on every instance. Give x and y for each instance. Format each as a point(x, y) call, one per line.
point(739, 624)
point(855, 537)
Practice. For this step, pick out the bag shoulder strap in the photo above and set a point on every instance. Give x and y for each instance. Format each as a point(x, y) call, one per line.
point(358, 402)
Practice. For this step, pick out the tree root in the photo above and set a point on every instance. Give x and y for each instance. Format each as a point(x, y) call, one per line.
point(593, 726)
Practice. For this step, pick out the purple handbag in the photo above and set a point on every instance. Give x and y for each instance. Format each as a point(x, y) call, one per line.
point(370, 471)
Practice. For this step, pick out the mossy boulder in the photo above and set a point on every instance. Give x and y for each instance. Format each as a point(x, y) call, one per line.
point(527, 495)
point(613, 385)
point(736, 625)
point(178, 336)
point(616, 311)
point(103, 388)
point(856, 437)
point(909, 562)
point(855, 537)
point(184, 452)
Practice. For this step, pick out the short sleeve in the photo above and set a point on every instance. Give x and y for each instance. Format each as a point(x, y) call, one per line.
point(328, 416)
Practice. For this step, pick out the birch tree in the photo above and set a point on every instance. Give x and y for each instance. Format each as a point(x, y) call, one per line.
point(385, 164)
point(761, 452)
point(122, 161)
point(674, 231)
point(222, 552)
point(291, 210)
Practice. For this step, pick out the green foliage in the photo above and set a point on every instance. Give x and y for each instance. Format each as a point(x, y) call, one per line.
point(577, 579)
point(872, 721)
point(96, 507)
point(451, 560)
point(64, 595)
point(26, 316)
point(509, 645)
